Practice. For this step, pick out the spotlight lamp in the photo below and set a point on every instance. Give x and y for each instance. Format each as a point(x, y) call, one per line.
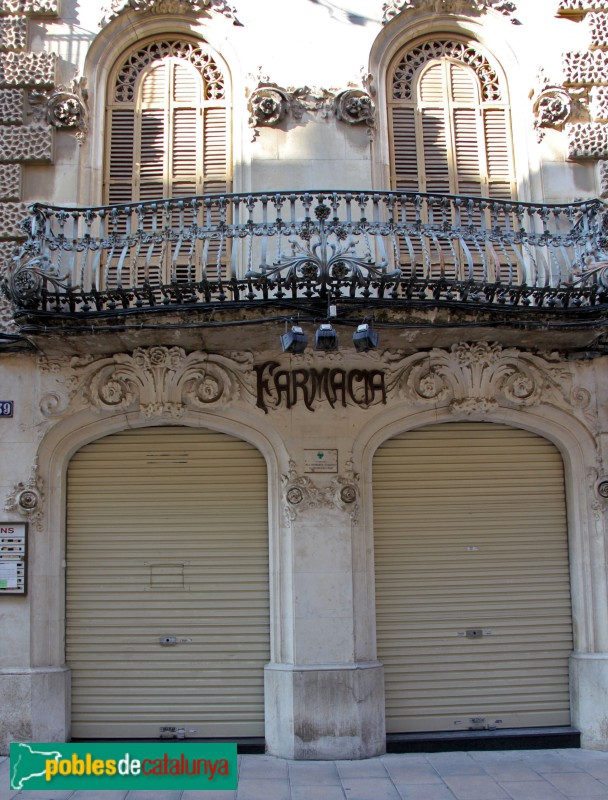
point(365, 338)
point(295, 340)
point(326, 337)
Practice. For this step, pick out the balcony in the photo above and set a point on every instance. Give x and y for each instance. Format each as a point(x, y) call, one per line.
point(287, 253)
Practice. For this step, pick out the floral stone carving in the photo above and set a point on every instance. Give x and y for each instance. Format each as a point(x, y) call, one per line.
point(63, 108)
point(302, 494)
point(158, 381)
point(478, 377)
point(26, 498)
point(552, 108)
point(269, 104)
point(354, 106)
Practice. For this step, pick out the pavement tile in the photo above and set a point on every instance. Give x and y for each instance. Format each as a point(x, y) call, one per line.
point(531, 790)
point(147, 794)
point(510, 770)
point(404, 758)
point(319, 792)
point(475, 787)
point(262, 790)
point(264, 767)
point(578, 785)
point(366, 768)
point(425, 791)
point(455, 764)
point(5, 780)
point(413, 773)
point(91, 794)
point(312, 773)
point(193, 794)
point(370, 789)
point(592, 761)
point(42, 795)
point(543, 762)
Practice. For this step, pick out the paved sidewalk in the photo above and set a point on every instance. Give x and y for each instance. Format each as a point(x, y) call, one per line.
point(476, 775)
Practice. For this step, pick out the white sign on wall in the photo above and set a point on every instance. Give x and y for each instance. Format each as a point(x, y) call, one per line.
point(13, 558)
point(320, 460)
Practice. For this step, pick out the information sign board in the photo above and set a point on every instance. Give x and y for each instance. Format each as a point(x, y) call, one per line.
point(13, 558)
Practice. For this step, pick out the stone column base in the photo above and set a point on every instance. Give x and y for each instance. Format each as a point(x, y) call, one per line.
point(325, 711)
point(34, 705)
point(589, 698)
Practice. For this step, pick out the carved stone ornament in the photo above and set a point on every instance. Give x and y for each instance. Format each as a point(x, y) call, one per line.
point(480, 377)
point(552, 109)
point(63, 108)
point(354, 106)
point(158, 381)
point(26, 498)
point(602, 489)
point(117, 7)
point(392, 8)
point(269, 104)
point(302, 494)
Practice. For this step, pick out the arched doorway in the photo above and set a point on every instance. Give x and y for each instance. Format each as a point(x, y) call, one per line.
point(167, 601)
point(472, 579)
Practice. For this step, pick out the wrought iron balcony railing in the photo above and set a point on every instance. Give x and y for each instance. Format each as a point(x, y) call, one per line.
point(311, 245)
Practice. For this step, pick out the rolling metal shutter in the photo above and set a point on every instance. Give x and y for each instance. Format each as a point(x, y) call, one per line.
point(472, 579)
point(167, 537)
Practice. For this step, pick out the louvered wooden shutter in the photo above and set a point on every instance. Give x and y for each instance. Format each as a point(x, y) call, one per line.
point(169, 138)
point(447, 139)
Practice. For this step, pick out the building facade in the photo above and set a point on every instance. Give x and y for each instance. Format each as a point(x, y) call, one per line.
point(303, 370)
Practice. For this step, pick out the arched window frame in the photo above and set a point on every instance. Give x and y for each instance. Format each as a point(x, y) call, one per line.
point(123, 34)
point(213, 170)
point(496, 37)
point(415, 163)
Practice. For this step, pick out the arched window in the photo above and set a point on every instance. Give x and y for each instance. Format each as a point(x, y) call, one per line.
point(167, 123)
point(168, 136)
point(450, 129)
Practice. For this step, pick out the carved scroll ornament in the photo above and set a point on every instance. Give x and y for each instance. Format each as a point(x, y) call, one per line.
point(552, 109)
point(158, 381)
point(478, 378)
point(27, 497)
point(301, 493)
point(167, 381)
point(269, 104)
point(65, 108)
